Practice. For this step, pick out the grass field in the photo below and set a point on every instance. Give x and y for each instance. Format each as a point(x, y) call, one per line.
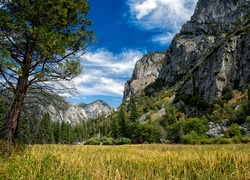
point(128, 162)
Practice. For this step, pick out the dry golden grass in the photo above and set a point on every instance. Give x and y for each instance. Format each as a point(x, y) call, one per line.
point(129, 162)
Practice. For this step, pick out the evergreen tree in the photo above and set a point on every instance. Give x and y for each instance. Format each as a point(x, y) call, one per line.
point(24, 131)
point(134, 113)
point(38, 42)
point(78, 133)
point(70, 133)
point(133, 124)
point(122, 122)
point(45, 133)
point(114, 128)
point(57, 132)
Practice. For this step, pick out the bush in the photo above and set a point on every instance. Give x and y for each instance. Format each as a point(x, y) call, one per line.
point(194, 138)
point(107, 141)
point(92, 141)
point(245, 140)
point(233, 130)
point(236, 139)
point(248, 120)
point(222, 140)
point(191, 138)
point(226, 94)
point(123, 140)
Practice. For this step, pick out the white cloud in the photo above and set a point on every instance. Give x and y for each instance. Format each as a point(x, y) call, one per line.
point(165, 16)
point(163, 38)
point(105, 73)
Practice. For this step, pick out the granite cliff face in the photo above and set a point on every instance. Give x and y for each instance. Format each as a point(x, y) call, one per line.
point(145, 72)
point(61, 110)
point(211, 51)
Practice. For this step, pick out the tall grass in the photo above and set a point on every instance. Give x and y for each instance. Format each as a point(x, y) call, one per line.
point(129, 162)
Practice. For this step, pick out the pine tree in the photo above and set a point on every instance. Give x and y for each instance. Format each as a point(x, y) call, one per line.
point(39, 41)
point(45, 134)
point(114, 128)
point(134, 113)
point(122, 122)
point(57, 132)
point(134, 124)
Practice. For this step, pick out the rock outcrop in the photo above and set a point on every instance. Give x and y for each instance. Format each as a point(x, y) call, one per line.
point(145, 72)
point(211, 51)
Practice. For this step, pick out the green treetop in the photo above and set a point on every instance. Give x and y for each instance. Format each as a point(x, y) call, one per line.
point(39, 42)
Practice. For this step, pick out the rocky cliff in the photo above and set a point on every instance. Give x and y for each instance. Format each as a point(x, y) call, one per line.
point(146, 71)
point(211, 51)
point(38, 103)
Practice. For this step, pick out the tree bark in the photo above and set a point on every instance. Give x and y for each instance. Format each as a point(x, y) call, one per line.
point(16, 106)
point(15, 109)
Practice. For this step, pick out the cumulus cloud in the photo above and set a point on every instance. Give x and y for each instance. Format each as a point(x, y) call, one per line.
point(165, 16)
point(105, 73)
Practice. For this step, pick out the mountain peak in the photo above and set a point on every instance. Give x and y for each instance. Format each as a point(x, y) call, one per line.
point(96, 108)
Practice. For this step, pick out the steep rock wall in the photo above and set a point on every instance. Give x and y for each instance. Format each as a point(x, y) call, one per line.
point(211, 51)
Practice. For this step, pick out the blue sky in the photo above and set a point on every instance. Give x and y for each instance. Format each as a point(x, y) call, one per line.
point(126, 30)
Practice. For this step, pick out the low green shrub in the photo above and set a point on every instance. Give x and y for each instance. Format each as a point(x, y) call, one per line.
point(107, 140)
point(194, 138)
point(222, 140)
point(233, 131)
point(122, 140)
point(92, 141)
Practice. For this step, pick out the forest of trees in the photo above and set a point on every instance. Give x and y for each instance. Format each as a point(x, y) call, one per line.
point(125, 126)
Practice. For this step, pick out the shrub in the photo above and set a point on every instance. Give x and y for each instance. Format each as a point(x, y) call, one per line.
point(191, 138)
point(194, 138)
point(233, 130)
point(248, 120)
point(92, 141)
point(222, 140)
point(245, 140)
point(122, 140)
point(226, 93)
point(237, 139)
point(107, 140)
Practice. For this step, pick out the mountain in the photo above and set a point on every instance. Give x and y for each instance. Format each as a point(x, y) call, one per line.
point(96, 108)
point(210, 53)
point(40, 102)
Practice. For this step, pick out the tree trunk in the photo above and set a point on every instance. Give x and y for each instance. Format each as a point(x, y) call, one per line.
point(15, 109)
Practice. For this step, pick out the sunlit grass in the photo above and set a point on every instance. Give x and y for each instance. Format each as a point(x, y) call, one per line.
point(129, 162)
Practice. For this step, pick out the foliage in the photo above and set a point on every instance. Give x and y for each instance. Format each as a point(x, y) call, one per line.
point(39, 43)
point(189, 99)
point(92, 141)
point(150, 133)
point(226, 94)
point(181, 128)
point(194, 138)
point(106, 141)
point(234, 130)
point(122, 121)
point(122, 140)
